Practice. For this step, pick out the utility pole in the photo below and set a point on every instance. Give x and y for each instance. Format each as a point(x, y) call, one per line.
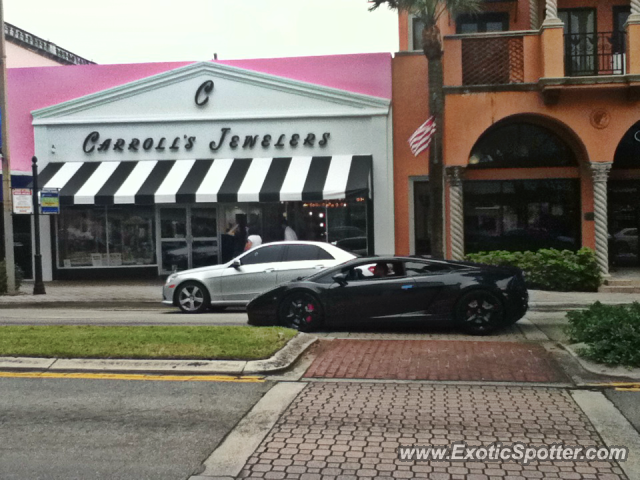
point(7, 201)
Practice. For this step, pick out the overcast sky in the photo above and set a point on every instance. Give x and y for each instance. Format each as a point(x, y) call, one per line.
point(127, 31)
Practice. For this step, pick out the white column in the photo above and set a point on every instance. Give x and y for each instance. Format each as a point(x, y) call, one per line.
point(551, 13)
point(456, 211)
point(533, 15)
point(635, 11)
point(600, 173)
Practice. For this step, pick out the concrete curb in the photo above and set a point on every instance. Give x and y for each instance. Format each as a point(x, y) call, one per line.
point(87, 305)
point(593, 367)
point(156, 305)
point(561, 307)
point(281, 360)
point(228, 460)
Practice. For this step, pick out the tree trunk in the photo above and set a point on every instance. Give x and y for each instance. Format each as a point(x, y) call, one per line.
point(432, 47)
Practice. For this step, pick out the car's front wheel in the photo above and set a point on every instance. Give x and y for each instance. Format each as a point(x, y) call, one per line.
point(479, 312)
point(192, 297)
point(301, 311)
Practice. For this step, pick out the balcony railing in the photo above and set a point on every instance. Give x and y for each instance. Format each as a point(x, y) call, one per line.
point(588, 54)
point(495, 60)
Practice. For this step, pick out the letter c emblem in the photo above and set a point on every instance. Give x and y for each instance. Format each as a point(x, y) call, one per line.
point(202, 94)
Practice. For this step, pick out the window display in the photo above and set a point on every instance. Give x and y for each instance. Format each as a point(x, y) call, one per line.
point(522, 215)
point(105, 237)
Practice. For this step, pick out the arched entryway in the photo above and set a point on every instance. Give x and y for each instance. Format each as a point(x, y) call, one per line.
point(522, 189)
point(624, 201)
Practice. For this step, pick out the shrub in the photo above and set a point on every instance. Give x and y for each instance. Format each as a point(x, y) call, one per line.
point(611, 333)
point(549, 269)
point(3, 277)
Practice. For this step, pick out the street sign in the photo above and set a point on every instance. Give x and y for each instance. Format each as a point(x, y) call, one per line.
point(49, 201)
point(22, 201)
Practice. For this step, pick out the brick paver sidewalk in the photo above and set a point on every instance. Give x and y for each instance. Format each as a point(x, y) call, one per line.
point(351, 431)
point(436, 360)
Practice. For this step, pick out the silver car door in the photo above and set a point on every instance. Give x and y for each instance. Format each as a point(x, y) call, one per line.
point(300, 261)
point(255, 274)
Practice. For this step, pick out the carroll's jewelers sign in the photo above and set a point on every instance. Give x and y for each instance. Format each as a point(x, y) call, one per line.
point(22, 203)
point(49, 201)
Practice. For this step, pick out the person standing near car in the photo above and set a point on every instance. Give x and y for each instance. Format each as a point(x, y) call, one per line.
point(289, 233)
point(253, 240)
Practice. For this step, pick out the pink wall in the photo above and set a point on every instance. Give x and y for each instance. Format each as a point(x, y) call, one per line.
point(19, 57)
point(34, 88)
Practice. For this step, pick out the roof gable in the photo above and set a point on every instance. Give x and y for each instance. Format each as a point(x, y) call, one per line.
point(237, 93)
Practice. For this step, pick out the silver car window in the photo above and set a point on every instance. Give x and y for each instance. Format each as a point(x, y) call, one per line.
point(296, 253)
point(268, 254)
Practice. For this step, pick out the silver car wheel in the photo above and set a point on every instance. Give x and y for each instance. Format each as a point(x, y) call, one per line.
point(192, 298)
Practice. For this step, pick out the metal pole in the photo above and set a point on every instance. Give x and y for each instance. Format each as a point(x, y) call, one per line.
point(7, 202)
point(38, 285)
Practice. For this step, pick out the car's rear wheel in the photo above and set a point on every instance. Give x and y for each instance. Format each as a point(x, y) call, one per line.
point(479, 312)
point(192, 297)
point(301, 311)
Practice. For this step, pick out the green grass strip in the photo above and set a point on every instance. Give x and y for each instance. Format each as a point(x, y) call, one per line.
point(219, 343)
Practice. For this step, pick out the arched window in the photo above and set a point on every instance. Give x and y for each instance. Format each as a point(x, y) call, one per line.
point(521, 145)
point(628, 152)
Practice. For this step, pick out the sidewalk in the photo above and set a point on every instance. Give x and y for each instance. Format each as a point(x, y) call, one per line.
point(125, 293)
point(148, 293)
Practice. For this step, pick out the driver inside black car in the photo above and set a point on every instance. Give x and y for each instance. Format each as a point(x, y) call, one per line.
point(381, 270)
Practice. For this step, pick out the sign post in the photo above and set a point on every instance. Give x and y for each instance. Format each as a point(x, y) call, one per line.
point(10, 266)
point(22, 201)
point(49, 201)
point(38, 285)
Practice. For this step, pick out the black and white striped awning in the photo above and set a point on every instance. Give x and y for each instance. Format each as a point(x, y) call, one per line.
point(219, 180)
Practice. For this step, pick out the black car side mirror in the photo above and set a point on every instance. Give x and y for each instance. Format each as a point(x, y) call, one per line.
point(340, 278)
point(236, 264)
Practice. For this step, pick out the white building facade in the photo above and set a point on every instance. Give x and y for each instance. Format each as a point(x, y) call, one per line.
point(160, 174)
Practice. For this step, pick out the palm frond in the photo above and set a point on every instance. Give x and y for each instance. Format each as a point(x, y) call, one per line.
point(429, 11)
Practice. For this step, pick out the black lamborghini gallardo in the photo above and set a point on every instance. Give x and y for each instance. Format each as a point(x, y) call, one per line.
point(478, 298)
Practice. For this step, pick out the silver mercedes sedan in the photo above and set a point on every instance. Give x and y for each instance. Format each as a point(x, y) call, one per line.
point(235, 283)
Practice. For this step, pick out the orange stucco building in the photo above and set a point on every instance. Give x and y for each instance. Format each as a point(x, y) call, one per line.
point(541, 129)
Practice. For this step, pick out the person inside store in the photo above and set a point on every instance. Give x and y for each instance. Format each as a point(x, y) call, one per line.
point(239, 232)
point(289, 233)
point(253, 240)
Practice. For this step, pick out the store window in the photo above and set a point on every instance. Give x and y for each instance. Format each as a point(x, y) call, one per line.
point(521, 145)
point(522, 215)
point(106, 237)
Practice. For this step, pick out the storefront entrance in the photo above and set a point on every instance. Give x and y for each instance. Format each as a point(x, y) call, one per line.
point(188, 237)
point(624, 222)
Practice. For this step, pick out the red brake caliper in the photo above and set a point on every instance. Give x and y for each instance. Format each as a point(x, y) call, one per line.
point(309, 309)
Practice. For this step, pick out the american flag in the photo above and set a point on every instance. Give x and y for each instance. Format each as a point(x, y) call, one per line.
point(421, 138)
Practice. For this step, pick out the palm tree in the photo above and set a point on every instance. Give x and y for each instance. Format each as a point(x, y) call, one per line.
point(429, 12)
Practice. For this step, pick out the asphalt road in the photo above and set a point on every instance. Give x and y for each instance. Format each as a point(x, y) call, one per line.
point(117, 429)
point(627, 403)
point(159, 316)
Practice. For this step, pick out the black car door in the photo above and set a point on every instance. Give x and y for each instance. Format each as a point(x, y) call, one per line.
point(432, 280)
point(369, 297)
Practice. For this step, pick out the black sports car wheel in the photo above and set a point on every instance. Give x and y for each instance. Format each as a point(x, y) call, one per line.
point(192, 297)
point(479, 312)
point(301, 311)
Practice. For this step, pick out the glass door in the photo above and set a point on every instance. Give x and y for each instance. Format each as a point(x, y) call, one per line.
point(580, 41)
point(173, 239)
point(188, 237)
point(204, 236)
